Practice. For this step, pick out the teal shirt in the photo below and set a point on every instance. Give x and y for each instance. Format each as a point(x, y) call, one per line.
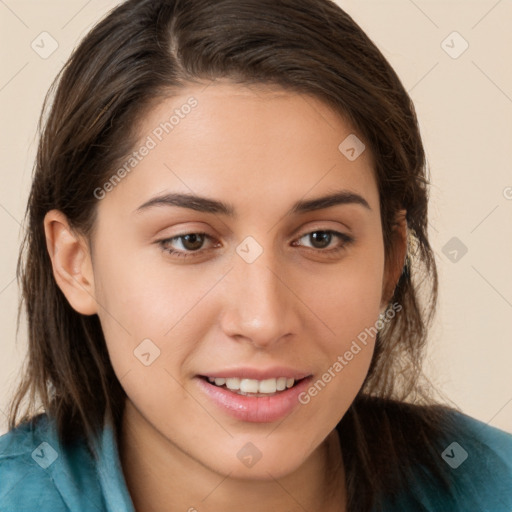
point(38, 474)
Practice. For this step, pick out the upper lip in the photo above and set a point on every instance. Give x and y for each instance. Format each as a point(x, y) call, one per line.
point(273, 372)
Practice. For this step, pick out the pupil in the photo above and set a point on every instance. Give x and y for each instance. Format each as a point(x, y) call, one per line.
point(193, 241)
point(324, 238)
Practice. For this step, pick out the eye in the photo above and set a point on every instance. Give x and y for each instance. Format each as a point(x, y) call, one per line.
point(194, 243)
point(320, 239)
point(190, 243)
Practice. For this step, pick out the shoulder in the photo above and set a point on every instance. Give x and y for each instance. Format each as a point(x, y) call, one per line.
point(38, 472)
point(478, 459)
point(427, 458)
point(481, 460)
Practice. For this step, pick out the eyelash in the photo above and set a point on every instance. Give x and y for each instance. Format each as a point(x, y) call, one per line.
point(346, 239)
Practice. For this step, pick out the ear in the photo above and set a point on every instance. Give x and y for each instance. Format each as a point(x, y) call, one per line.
point(71, 263)
point(395, 263)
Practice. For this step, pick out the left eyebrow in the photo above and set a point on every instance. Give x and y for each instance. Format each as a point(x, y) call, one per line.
point(207, 205)
point(340, 197)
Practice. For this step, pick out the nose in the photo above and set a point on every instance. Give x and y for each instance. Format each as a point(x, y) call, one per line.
point(260, 306)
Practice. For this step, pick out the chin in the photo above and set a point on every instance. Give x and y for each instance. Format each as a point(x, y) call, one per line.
point(260, 459)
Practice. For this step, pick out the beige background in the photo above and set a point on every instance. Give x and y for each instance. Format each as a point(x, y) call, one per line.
point(465, 109)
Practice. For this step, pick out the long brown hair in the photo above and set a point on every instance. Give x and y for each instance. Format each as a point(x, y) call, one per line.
point(146, 49)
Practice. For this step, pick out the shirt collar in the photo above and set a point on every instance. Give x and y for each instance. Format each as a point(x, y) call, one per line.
point(109, 469)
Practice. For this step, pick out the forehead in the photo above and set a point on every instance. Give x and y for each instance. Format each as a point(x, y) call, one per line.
point(251, 143)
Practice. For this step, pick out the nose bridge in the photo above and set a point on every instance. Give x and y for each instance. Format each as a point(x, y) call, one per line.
point(258, 305)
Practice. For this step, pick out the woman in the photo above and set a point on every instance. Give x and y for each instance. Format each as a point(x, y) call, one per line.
point(227, 226)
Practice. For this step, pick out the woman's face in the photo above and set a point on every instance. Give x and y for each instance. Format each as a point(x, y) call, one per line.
point(281, 285)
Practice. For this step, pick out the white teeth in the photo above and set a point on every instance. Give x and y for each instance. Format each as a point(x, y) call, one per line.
point(233, 383)
point(281, 383)
point(267, 386)
point(249, 386)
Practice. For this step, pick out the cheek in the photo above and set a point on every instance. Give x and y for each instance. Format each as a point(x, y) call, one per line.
point(350, 309)
point(349, 304)
point(349, 299)
point(147, 310)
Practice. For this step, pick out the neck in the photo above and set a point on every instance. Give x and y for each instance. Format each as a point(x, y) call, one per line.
point(161, 477)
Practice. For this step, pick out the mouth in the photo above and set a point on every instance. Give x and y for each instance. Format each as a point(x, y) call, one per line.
point(253, 387)
point(258, 395)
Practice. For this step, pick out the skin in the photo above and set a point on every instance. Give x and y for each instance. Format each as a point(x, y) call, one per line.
point(261, 150)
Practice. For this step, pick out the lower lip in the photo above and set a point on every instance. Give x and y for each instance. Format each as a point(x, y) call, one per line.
point(264, 409)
